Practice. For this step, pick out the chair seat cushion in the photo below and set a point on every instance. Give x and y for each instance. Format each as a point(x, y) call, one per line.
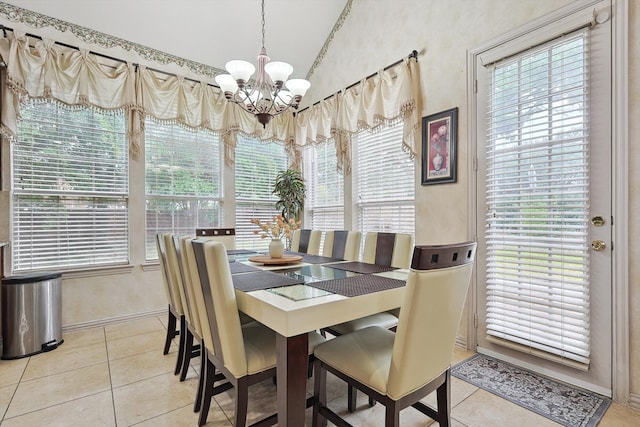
point(384, 320)
point(364, 355)
point(260, 346)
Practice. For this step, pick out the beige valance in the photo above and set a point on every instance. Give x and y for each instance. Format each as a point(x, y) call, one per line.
point(42, 69)
point(388, 96)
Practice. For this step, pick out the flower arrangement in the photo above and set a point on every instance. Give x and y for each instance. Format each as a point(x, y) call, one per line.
point(277, 228)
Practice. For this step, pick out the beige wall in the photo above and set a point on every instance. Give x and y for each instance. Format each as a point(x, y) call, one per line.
point(378, 33)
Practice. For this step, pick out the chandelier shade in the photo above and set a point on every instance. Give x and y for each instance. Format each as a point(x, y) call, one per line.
point(265, 96)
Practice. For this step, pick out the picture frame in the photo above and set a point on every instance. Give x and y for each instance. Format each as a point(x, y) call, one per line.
point(439, 147)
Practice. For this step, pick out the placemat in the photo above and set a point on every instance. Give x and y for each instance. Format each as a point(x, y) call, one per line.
point(318, 259)
point(238, 267)
point(240, 252)
point(261, 280)
point(361, 267)
point(358, 285)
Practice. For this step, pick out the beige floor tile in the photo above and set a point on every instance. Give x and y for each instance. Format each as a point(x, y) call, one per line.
point(82, 338)
point(134, 327)
point(12, 370)
point(64, 359)
point(483, 409)
point(59, 388)
point(262, 401)
point(185, 417)
point(620, 416)
point(6, 394)
point(460, 390)
point(136, 344)
point(150, 398)
point(95, 410)
point(141, 367)
point(460, 354)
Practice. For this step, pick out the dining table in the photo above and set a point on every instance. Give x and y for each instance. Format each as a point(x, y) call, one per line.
point(296, 297)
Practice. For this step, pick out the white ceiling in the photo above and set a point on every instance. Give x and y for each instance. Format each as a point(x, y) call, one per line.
point(211, 32)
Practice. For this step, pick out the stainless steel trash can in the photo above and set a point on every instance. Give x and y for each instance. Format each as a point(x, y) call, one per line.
point(31, 314)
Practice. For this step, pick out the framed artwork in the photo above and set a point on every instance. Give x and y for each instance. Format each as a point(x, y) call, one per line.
point(439, 143)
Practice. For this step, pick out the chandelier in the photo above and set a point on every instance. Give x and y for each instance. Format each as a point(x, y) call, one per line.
point(267, 96)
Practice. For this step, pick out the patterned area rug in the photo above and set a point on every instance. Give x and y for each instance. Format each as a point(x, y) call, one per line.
point(559, 402)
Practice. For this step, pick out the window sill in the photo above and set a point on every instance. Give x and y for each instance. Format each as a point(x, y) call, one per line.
point(99, 271)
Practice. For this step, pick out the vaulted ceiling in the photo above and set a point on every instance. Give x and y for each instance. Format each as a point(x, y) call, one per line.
point(210, 32)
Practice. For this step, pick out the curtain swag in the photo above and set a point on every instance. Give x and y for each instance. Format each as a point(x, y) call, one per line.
point(388, 97)
point(42, 69)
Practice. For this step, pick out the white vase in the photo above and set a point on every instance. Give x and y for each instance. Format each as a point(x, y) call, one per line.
point(276, 248)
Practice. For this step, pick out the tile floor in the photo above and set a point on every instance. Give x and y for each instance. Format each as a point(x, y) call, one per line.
point(117, 376)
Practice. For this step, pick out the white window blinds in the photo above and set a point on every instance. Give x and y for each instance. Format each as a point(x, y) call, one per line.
point(325, 188)
point(384, 182)
point(70, 188)
point(257, 164)
point(538, 199)
point(183, 181)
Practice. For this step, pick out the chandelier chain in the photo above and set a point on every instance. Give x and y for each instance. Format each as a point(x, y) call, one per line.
point(263, 23)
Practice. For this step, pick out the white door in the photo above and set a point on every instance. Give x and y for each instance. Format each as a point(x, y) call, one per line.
point(544, 222)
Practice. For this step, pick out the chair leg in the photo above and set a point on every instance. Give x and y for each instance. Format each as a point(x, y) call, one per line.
point(171, 330)
point(443, 395)
point(352, 396)
point(242, 402)
point(205, 404)
point(392, 415)
point(203, 372)
point(188, 351)
point(319, 393)
point(181, 344)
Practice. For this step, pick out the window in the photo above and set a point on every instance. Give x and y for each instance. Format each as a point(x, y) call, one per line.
point(257, 165)
point(384, 187)
point(325, 189)
point(183, 181)
point(537, 196)
point(70, 188)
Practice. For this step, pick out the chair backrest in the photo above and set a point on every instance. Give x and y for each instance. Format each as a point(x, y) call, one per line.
point(306, 241)
point(173, 268)
point(220, 297)
point(189, 257)
point(342, 244)
point(189, 286)
point(390, 249)
point(430, 315)
point(162, 257)
point(170, 274)
point(225, 235)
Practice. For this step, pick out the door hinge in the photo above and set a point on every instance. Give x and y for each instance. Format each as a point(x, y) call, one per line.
point(475, 86)
point(475, 163)
point(475, 320)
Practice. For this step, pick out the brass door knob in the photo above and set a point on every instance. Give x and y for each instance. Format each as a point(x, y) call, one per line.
point(598, 245)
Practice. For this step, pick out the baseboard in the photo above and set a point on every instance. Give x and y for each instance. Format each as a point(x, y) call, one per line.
point(112, 320)
point(634, 401)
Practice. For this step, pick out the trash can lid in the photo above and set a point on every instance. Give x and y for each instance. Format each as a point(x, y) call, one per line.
point(31, 278)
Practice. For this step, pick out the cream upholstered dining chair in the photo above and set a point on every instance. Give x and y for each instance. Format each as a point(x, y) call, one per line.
point(244, 354)
point(387, 249)
point(398, 369)
point(306, 241)
point(192, 278)
point(187, 349)
point(342, 244)
point(174, 310)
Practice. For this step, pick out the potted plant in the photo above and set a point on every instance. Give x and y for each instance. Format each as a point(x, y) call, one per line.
point(290, 189)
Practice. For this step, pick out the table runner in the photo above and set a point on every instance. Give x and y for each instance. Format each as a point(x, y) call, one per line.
point(261, 280)
point(361, 267)
point(358, 285)
point(240, 252)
